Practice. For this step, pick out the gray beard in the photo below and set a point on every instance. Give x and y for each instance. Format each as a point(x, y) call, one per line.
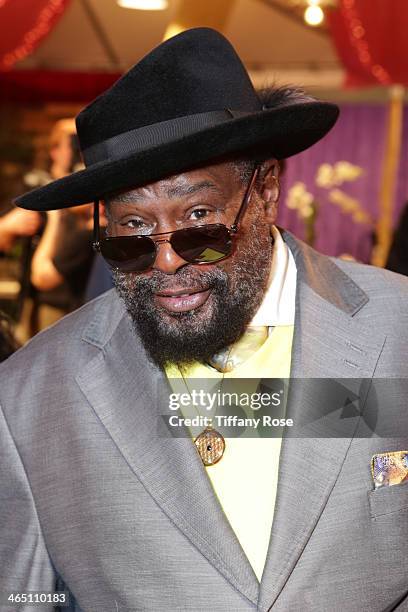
point(186, 337)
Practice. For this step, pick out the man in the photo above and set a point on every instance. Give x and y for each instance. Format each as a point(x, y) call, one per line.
point(97, 494)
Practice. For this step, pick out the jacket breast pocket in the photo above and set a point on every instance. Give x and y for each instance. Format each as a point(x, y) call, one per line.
point(387, 502)
point(389, 541)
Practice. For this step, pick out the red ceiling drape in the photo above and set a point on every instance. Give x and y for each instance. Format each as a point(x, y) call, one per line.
point(371, 38)
point(38, 86)
point(23, 25)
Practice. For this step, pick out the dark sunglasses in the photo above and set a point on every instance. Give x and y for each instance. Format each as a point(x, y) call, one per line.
point(201, 244)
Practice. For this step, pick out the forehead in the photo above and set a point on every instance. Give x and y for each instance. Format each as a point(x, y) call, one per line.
point(217, 179)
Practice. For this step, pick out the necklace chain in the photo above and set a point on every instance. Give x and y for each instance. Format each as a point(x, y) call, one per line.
point(210, 444)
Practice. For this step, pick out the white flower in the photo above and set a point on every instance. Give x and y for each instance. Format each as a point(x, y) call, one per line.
point(299, 198)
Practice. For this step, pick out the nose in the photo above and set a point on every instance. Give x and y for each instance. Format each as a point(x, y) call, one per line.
point(167, 260)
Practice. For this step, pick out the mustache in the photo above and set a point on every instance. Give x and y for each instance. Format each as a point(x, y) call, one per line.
point(184, 277)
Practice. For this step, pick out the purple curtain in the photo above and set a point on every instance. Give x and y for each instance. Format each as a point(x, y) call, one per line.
point(358, 138)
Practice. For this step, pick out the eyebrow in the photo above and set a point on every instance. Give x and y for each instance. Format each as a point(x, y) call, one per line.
point(182, 190)
point(172, 193)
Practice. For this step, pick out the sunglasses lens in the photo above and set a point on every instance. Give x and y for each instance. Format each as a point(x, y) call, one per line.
point(128, 253)
point(206, 244)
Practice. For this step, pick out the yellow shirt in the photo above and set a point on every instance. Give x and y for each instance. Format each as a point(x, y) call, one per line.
point(245, 479)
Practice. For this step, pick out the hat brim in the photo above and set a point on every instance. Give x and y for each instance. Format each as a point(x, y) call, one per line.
point(278, 132)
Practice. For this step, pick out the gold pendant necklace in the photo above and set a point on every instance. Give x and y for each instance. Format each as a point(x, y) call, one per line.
point(210, 444)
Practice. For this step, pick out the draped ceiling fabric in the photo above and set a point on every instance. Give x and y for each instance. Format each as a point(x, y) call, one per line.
point(371, 40)
point(24, 24)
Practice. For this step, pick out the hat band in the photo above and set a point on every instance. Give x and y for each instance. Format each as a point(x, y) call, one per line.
point(156, 134)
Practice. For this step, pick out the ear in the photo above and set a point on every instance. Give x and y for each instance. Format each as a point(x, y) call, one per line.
point(270, 189)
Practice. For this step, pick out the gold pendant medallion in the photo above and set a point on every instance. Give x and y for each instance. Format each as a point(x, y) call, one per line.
point(210, 445)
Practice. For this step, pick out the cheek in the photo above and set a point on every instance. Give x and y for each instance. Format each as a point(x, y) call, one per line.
point(127, 280)
point(252, 253)
point(252, 240)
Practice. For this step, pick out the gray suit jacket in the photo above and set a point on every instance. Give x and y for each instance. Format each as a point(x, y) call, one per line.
point(93, 492)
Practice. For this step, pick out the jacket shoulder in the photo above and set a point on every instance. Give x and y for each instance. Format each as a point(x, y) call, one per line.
point(374, 280)
point(67, 340)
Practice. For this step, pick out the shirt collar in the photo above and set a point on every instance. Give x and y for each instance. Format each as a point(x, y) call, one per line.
point(278, 304)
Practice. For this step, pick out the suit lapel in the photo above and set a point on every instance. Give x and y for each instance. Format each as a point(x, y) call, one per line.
point(128, 394)
point(328, 343)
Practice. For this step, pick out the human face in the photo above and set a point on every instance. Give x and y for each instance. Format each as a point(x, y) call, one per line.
point(61, 153)
point(180, 309)
point(205, 243)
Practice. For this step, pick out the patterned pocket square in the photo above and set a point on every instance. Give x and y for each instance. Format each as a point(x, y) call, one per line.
point(389, 468)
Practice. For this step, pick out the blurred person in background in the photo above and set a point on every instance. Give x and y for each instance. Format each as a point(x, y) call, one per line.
point(63, 257)
point(61, 263)
point(56, 254)
point(15, 224)
point(18, 232)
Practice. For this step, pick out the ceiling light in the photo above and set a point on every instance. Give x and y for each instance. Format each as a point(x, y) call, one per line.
point(144, 5)
point(323, 3)
point(314, 15)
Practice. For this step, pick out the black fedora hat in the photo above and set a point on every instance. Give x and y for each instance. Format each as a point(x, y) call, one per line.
point(188, 102)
